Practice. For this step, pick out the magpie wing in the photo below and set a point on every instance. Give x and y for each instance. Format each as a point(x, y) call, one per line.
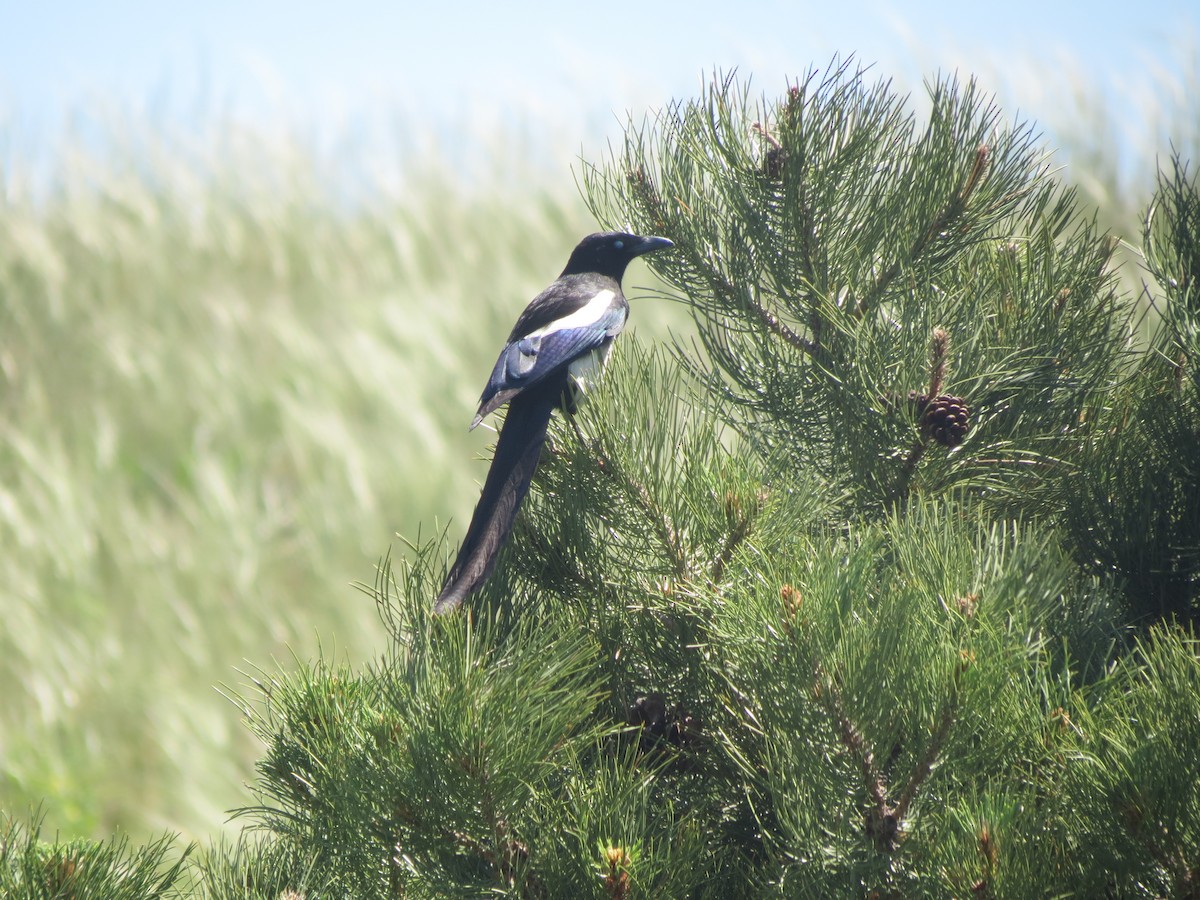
point(530, 360)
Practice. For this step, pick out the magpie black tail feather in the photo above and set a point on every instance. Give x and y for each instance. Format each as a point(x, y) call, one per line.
point(517, 452)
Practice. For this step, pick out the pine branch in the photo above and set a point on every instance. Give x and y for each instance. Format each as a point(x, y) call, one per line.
point(505, 857)
point(884, 819)
point(659, 520)
point(772, 323)
point(932, 751)
point(882, 823)
point(647, 197)
point(795, 184)
point(953, 208)
point(904, 480)
point(724, 290)
point(741, 526)
point(939, 349)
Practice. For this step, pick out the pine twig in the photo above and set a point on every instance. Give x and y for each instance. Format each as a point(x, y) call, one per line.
point(774, 325)
point(915, 452)
point(882, 821)
point(506, 854)
point(648, 197)
point(742, 526)
point(659, 519)
point(953, 209)
point(723, 287)
point(884, 818)
point(932, 751)
point(775, 162)
point(939, 351)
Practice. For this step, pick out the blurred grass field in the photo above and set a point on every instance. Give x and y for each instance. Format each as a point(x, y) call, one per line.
point(232, 369)
point(223, 390)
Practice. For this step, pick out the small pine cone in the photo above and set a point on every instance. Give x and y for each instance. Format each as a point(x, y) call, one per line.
point(946, 419)
point(775, 157)
point(659, 723)
point(651, 713)
point(773, 163)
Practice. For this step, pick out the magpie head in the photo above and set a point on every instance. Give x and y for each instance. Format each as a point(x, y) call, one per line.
point(609, 252)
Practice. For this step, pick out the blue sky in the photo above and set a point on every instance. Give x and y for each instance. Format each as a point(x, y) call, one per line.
point(577, 65)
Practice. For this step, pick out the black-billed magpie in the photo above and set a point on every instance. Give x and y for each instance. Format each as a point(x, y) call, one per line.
point(560, 342)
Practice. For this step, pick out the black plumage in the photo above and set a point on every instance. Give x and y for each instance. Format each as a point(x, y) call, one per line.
point(561, 339)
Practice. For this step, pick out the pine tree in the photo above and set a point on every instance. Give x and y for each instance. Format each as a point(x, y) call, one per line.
point(861, 280)
point(883, 588)
point(814, 607)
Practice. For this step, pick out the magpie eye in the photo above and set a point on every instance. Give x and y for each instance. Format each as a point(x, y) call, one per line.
point(618, 245)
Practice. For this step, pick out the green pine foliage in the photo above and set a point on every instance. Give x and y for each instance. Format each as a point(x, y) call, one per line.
point(253, 867)
point(113, 870)
point(715, 687)
point(881, 588)
point(1136, 516)
point(845, 260)
point(1136, 775)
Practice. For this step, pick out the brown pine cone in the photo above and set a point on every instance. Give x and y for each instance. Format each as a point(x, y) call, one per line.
point(946, 419)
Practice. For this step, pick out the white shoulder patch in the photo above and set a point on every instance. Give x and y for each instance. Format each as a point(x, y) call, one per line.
point(585, 315)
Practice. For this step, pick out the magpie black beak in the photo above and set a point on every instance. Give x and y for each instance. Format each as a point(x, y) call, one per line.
point(652, 243)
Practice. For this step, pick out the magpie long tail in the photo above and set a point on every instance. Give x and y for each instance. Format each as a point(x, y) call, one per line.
point(517, 452)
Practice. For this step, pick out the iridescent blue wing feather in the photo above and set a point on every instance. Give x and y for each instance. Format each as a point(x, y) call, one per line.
point(528, 360)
